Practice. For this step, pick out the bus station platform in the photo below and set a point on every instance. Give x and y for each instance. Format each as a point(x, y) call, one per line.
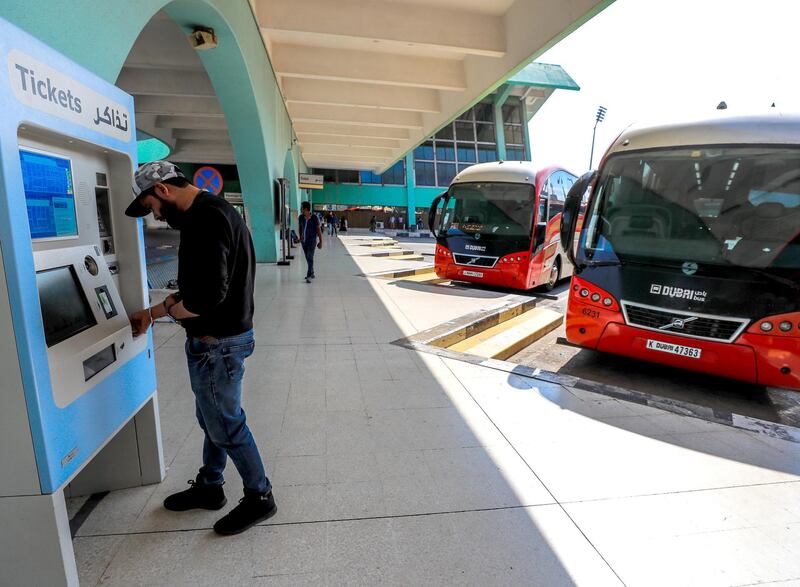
point(397, 467)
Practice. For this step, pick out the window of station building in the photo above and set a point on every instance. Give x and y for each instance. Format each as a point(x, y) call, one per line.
point(445, 172)
point(514, 131)
point(347, 176)
point(396, 174)
point(425, 173)
point(468, 140)
point(367, 177)
point(515, 154)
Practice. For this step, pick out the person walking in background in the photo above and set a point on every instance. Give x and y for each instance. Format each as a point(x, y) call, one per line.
point(310, 236)
point(343, 224)
point(373, 223)
point(332, 221)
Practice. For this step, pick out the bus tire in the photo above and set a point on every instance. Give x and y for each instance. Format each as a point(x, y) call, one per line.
point(555, 275)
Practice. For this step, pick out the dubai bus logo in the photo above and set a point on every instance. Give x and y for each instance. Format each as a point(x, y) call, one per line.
point(678, 292)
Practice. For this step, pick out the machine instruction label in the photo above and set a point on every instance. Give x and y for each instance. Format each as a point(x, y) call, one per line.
point(41, 87)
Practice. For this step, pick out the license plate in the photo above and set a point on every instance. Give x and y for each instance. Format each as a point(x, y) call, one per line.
point(473, 273)
point(674, 349)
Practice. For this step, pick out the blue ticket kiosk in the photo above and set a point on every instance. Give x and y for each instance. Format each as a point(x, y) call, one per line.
point(78, 408)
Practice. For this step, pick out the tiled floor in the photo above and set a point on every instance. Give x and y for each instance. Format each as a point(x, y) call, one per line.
point(396, 468)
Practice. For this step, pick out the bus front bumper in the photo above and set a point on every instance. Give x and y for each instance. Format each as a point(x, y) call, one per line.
point(764, 360)
point(511, 275)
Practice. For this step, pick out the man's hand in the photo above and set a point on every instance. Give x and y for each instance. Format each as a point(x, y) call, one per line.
point(319, 244)
point(140, 322)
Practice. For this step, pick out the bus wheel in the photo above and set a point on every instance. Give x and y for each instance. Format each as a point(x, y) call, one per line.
point(555, 275)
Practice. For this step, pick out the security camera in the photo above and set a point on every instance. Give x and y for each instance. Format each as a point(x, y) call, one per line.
point(203, 38)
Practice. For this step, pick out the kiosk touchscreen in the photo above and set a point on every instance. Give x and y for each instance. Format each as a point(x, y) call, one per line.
point(78, 408)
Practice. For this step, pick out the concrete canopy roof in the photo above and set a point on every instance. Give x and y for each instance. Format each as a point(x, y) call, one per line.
point(536, 82)
point(365, 81)
point(174, 99)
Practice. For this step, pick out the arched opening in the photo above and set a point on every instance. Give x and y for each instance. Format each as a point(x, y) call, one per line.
point(203, 104)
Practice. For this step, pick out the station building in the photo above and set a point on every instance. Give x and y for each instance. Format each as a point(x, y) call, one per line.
point(494, 129)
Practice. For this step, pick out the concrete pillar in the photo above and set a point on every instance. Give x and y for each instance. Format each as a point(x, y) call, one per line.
point(411, 206)
point(503, 92)
point(525, 135)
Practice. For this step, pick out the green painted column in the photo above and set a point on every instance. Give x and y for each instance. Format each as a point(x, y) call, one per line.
point(411, 206)
point(525, 133)
point(503, 92)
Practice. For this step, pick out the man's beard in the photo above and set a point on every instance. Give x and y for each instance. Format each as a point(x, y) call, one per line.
point(171, 215)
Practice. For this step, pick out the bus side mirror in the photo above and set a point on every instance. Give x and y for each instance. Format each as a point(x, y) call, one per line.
point(569, 218)
point(432, 213)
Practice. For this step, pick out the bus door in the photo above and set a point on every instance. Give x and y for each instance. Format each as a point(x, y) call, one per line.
point(548, 222)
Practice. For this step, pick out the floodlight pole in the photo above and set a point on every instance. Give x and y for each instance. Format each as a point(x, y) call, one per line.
point(601, 114)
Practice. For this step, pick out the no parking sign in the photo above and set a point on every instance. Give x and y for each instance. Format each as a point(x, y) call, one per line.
point(208, 179)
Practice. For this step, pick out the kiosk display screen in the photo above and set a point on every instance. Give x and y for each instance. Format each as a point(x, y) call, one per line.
point(49, 195)
point(65, 309)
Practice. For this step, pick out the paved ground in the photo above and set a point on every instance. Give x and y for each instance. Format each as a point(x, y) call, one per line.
point(397, 468)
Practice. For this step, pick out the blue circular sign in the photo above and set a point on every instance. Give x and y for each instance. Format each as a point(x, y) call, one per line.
point(208, 179)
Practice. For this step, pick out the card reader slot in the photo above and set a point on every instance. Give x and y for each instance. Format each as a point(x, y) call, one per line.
point(99, 361)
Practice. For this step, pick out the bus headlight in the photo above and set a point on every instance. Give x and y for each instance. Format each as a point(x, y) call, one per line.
point(595, 297)
point(584, 292)
point(785, 326)
point(767, 326)
point(607, 302)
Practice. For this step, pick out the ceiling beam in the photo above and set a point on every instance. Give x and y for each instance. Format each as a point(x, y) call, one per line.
point(198, 122)
point(394, 25)
point(357, 116)
point(379, 152)
point(165, 82)
point(174, 106)
point(337, 93)
point(199, 134)
point(375, 160)
point(326, 139)
point(345, 130)
point(350, 165)
point(376, 68)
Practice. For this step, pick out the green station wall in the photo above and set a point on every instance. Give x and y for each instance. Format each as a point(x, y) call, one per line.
point(99, 35)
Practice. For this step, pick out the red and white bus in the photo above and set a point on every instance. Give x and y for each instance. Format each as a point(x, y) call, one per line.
point(689, 251)
point(499, 224)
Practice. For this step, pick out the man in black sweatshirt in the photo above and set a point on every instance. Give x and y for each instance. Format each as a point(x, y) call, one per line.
point(214, 303)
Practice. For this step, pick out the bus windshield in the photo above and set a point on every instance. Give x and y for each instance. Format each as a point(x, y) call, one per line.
point(726, 206)
point(489, 209)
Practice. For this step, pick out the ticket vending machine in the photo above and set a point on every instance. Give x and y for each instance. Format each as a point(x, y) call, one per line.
point(78, 403)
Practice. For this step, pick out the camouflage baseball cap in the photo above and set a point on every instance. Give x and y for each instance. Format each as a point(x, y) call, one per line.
point(145, 178)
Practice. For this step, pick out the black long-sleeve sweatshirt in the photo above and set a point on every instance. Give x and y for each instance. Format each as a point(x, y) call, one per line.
point(216, 269)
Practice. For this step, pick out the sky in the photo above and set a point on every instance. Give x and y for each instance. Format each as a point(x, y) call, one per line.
point(665, 60)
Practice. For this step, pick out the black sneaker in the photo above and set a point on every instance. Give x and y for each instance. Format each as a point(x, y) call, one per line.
point(199, 496)
point(252, 509)
point(312, 276)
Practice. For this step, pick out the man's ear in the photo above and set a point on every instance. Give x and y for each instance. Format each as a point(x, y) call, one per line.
point(160, 190)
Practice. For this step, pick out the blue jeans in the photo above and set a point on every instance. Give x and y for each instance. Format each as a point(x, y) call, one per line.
point(216, 369)
point(308, 249)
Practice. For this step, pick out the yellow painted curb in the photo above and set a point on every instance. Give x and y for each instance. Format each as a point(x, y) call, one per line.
point(511, 336)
